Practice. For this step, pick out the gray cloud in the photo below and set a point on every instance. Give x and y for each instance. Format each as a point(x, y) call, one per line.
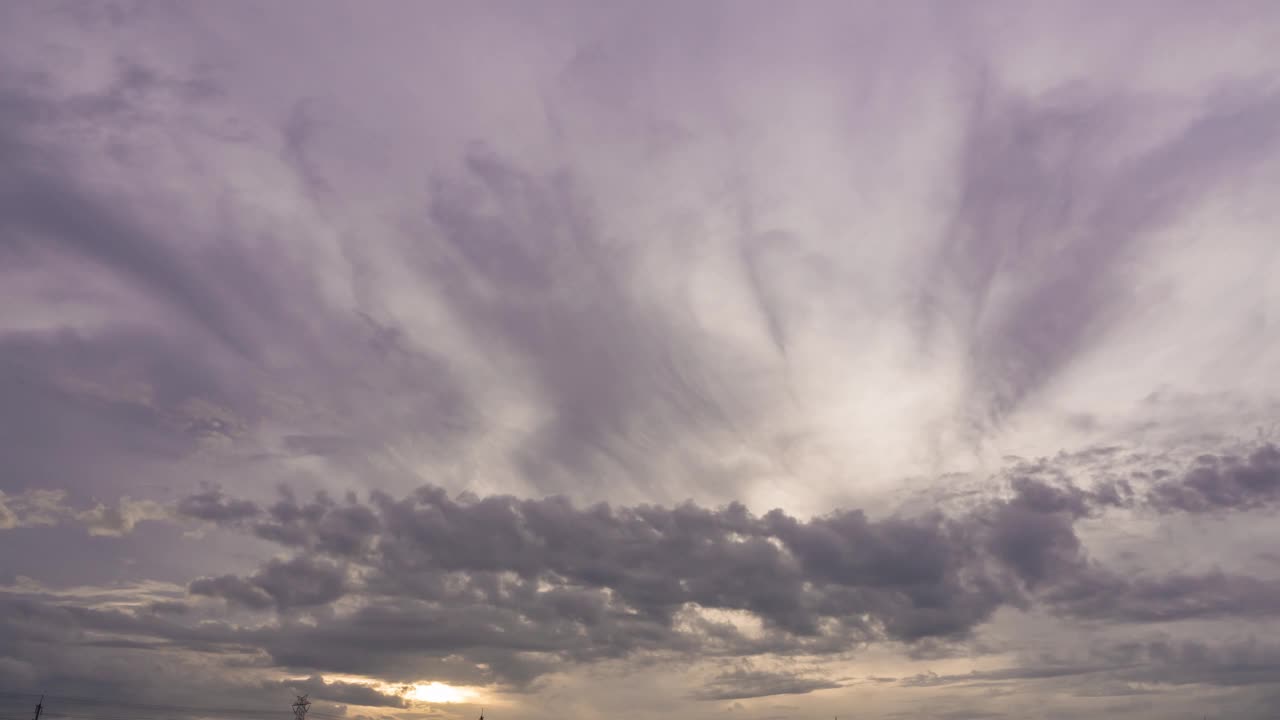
point(1106, 596)
point(932, 679)
point(213, 506)
point(1224, 483)
point(744, 683)
point(654, 560)
point(423, 266)
point(522, 260)
point(343, 692)
point(1032, 261)
point(32, 508)
point(300, 582)
point(1130, 665)
point(232, 589)
point(602, 582)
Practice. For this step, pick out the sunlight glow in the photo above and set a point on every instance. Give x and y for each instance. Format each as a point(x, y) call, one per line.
point(438, 693)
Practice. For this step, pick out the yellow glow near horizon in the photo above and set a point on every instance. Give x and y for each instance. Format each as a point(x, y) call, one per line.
point(436, 692)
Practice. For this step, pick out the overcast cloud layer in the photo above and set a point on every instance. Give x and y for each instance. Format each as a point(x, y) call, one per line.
point(713, 359)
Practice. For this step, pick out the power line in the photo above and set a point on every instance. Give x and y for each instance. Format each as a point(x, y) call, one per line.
point(70, 700)
point(113, 713)
point(112, 708)
point(156, 707)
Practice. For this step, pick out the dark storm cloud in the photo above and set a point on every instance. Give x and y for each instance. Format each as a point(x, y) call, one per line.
point(521, 585)
point(297, 583)
point(527, 583)
point(1035, 532)
point(438, 584)
point(913, 577)
point(347, 529)
point(500, 590)
point(443, 586)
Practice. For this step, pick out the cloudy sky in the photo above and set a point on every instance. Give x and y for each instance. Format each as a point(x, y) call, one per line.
point(631, 359)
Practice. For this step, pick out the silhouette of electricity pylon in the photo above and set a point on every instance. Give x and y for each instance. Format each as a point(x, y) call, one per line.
point(300, 707)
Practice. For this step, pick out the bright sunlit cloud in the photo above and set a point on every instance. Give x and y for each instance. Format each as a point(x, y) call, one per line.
point(436, 692)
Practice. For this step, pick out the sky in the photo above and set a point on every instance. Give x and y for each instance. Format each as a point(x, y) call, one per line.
point(740, 360)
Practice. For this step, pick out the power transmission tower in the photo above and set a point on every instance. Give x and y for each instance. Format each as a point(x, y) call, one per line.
point(300, 707)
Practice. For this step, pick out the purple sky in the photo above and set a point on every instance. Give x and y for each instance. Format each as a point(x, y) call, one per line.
point(724, 360)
